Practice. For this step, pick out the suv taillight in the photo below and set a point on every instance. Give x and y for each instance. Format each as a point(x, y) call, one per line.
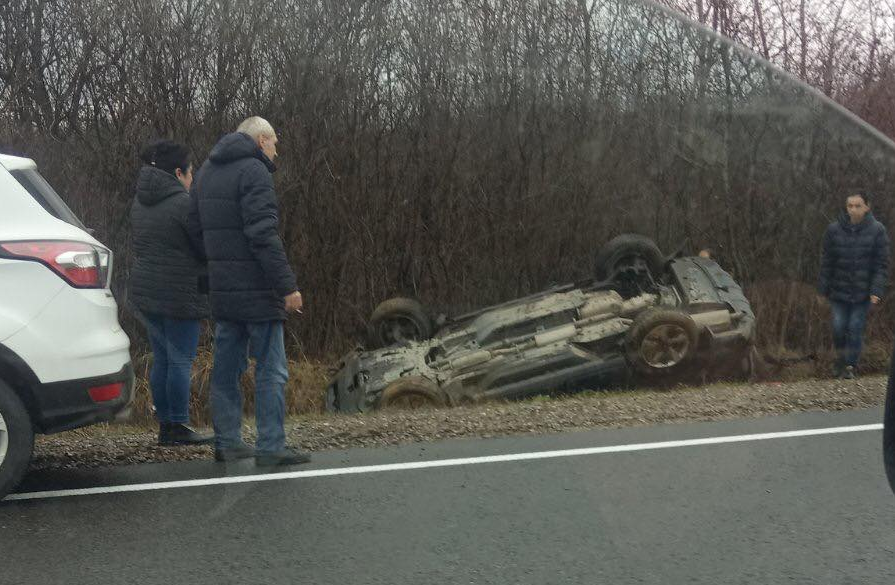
point(80, 265)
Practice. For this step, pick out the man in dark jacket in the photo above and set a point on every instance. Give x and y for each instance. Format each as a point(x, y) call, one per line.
point(853, 275)
point(234, 216)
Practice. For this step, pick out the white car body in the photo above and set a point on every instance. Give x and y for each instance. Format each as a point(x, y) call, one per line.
point(63, 353)
point(61, 332)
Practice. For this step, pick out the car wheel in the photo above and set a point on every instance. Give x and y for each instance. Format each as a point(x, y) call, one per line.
point(399, 321)
point(16, 439)
point(623, 251)
point(411, 393)
point(661, 342)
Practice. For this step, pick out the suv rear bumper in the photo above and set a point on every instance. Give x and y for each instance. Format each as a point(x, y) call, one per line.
point(61, 406)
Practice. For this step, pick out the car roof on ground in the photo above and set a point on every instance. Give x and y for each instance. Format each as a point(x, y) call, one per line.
point(16, 163)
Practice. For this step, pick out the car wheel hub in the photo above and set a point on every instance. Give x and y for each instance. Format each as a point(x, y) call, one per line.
point(665, 346)
point(4, 439)
point(400, 330)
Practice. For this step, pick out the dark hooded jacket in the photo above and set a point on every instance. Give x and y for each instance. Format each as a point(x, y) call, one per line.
point(167, 271)
point(855, 262)
point(234, 216)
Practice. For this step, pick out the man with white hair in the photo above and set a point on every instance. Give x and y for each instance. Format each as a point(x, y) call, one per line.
point(234, 219)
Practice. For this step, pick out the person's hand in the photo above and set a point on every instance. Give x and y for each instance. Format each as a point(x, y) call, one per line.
point(874, 299)
point(294, 302)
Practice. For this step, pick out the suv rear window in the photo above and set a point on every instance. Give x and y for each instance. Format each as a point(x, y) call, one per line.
point(44, 194)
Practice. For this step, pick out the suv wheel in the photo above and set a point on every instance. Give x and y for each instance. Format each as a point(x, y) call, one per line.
point(411, 393)
point(399, 321)
point(16, 439)
point(661, 342)
point(625, 251)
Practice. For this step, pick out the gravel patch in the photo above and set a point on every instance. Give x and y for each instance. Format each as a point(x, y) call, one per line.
point(105, 445)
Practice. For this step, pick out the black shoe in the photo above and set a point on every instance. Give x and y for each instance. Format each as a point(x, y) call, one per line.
point(849, 373)
point(838, 368)
point(284, 457)
point(172, 434)
point(163, 433)
point(233, 453)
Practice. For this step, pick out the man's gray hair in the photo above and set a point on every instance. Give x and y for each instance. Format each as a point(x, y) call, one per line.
point(256, 127)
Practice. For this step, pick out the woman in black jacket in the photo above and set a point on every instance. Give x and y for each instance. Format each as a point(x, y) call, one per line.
point(165, 286)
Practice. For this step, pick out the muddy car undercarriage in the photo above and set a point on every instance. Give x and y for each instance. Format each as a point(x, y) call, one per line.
point(645, 319)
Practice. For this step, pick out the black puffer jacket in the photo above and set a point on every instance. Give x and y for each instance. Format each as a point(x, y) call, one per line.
point(167, 271)
point(855, 262)
point(234, 215)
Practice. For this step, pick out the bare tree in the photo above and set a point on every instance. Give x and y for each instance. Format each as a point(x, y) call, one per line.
point(467, 151)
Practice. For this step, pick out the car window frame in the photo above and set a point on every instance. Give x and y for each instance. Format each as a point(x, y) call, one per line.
point(43, 193)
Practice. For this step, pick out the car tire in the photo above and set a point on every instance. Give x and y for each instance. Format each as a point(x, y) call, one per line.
point(399, 321)
point(622, 250)
point(411, 393)
point(661, 343)
point(16, 439)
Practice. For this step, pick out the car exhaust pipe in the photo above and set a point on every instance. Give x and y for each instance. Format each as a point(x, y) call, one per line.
point(555, 335)
point(471, 359)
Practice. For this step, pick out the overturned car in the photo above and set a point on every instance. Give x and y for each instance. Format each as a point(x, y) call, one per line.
point(644, 319)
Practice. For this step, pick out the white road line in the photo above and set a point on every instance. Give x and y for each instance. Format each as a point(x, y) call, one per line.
point(167, 485)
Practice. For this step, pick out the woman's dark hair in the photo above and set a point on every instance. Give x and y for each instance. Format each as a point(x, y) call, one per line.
point(862, 194)
point(166, 155)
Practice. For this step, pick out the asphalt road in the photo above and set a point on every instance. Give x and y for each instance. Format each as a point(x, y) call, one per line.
point(806, 509)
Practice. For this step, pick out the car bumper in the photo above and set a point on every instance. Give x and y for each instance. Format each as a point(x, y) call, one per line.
point(362, 376)
point(61, 406)
point(346, 391)
point(728, 347)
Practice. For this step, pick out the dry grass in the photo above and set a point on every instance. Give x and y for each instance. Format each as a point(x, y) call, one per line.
point(796, 367)
point(305, 391)
point(790, 315)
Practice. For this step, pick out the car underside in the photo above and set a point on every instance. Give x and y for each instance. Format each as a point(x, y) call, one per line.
point(645, 319)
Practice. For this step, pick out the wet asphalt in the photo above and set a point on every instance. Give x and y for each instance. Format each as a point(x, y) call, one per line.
point(796, 510)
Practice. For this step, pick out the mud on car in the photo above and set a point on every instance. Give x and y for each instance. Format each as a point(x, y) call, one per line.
point(645, 318)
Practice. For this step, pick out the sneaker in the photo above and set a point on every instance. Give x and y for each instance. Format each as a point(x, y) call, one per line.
point(283, 457)
point(226, 455)
point(849, 373)
point(173, 434)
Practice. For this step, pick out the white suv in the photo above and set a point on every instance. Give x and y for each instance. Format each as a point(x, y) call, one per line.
point(64, 359)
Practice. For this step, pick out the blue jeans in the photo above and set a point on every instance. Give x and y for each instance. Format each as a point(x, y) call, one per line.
point(848, 330)
point(232, 344)
point(173, 343)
